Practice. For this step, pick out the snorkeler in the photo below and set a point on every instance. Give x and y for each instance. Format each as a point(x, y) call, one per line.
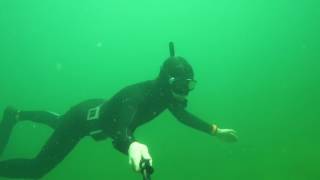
point(116, 118)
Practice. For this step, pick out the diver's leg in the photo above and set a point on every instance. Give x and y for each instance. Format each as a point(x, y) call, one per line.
point(44, 117)
point(9, 120)
point(62, 141)
point(11, 116)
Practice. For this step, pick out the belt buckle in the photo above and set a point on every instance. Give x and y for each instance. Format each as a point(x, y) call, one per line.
point(93, 113)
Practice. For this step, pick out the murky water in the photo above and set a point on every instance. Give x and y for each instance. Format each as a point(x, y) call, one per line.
point(257, 64)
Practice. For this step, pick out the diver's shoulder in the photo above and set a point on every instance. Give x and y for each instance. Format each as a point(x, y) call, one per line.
point(142, 84)
point(137, 88)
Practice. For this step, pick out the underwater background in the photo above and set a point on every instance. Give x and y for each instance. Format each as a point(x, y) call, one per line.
point(256, 62)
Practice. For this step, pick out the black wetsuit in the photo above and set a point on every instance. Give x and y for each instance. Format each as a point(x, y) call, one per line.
point(119, 117)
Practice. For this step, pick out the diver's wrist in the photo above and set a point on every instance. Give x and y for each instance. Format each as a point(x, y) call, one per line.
point(214, 129)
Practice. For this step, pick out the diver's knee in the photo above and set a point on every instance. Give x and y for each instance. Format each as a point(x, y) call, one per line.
point(38, 169)
point(36, 176)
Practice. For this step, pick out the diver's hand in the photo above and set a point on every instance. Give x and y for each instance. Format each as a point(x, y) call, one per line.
point(137, 152)
point(227, 135)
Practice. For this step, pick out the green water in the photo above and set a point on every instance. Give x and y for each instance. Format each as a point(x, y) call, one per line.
point(257, 64)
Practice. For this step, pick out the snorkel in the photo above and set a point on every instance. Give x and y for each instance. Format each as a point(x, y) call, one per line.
point(171, 49)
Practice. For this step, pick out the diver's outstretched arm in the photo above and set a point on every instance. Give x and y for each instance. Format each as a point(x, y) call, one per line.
point(181, 114)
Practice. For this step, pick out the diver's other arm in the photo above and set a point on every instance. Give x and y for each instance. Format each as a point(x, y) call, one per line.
point(138, 152)
point(134, 149)
point(124, 140)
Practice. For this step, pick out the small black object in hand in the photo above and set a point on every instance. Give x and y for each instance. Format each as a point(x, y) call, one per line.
point(146, 169)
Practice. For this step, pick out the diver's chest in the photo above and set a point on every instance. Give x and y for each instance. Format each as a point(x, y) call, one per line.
point(151, 110)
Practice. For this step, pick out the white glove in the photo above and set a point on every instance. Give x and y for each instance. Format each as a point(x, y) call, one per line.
point(137, 152)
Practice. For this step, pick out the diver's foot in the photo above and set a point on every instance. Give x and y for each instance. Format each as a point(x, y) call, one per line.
point(11, 114)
